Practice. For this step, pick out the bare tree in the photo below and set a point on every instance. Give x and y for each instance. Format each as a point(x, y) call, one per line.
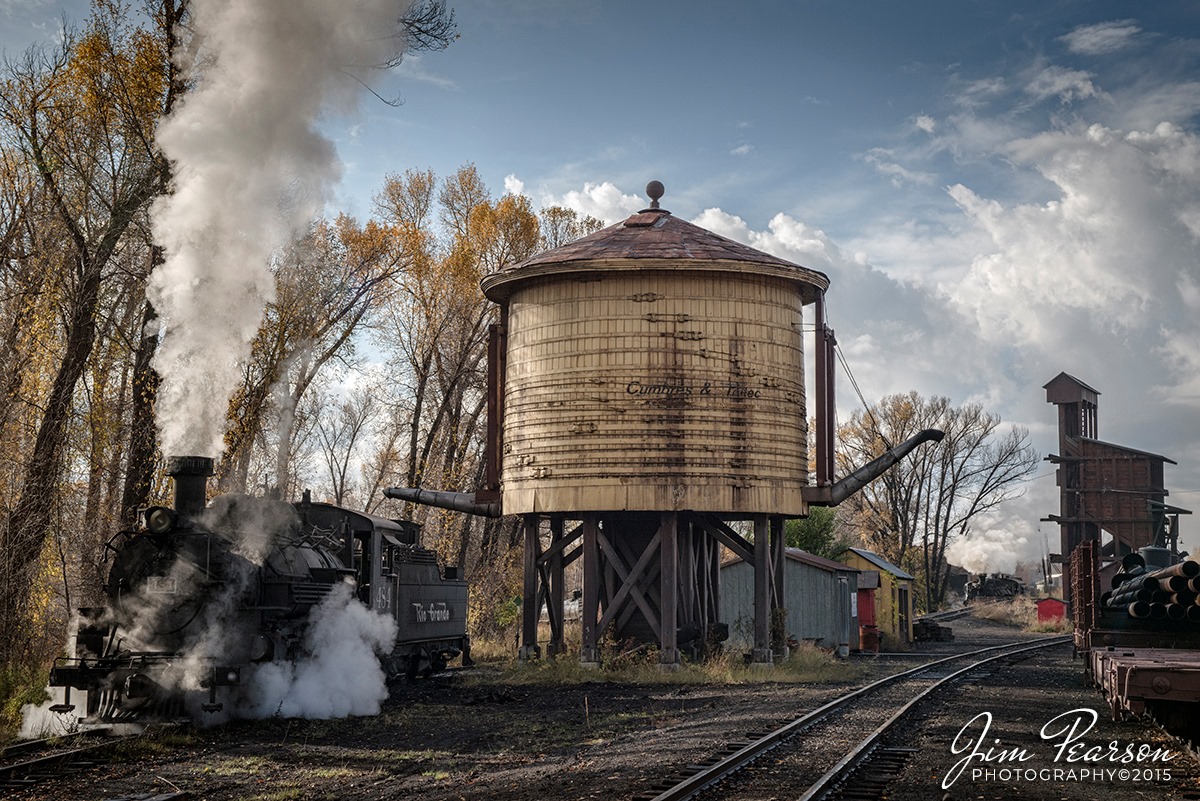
point(931, 498)
point(339, 434)
point(326, 286)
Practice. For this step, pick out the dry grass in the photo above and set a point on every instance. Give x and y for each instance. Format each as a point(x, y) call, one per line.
point(640, 665)
point(1019, 612)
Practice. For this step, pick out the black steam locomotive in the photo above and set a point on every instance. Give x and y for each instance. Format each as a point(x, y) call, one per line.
point(989, 586)
point(202, 596)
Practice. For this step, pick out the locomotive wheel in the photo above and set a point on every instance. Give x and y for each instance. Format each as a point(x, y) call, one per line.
point(414, 667)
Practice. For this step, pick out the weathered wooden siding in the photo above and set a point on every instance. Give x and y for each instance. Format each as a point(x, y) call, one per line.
point(818, 601)
point(647, 389)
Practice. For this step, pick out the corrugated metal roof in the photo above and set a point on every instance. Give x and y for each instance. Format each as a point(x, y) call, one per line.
point(881, 563)
point(800, 556)
point(817, 561)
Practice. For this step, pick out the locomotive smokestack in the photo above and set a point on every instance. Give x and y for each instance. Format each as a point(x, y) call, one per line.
point(191, 478)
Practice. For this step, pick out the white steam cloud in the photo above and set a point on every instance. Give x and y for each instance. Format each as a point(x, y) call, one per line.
point(250, 169)
point(993, 550)
point(339, 674)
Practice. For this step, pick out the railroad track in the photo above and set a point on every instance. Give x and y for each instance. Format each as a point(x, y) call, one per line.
point(32, 762)
point(949, 614)
point(820, 752)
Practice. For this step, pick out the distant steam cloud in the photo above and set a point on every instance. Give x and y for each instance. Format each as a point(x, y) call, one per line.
point(990, 551)
point(250, 169)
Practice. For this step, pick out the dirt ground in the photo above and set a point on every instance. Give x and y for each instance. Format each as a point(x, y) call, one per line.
point(1035, 707)
point(479, 735)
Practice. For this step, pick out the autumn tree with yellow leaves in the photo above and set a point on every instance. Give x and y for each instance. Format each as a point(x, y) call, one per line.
point(368, 369)
point(77, 127)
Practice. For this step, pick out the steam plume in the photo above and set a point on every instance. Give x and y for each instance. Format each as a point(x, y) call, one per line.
point(991, 550)
point(250, 169)
point(339, 675)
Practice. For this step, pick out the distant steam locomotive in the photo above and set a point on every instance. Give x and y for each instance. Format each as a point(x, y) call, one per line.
point(994, 585)
point(202, 598)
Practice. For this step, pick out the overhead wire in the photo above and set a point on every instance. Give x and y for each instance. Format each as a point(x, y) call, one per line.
point(858, 391)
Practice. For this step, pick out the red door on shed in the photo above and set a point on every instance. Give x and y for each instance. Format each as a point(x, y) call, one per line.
point(866, 607)
point(868, 633)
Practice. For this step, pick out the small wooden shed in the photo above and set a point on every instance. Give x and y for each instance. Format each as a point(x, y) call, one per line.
point(1051, 609)
point(893, 598)
point(819, 597)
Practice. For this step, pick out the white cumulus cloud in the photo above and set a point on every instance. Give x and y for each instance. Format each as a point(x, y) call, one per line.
point(602, 200)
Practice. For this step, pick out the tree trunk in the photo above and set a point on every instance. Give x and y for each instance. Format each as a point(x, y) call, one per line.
point(29, 524)
point(143, 437)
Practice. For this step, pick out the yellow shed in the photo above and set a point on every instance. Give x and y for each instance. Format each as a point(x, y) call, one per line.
point(893, 599)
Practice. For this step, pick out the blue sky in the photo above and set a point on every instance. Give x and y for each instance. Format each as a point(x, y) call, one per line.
point(999, 191)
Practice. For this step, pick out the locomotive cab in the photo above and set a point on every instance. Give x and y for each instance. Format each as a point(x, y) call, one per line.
point(399, 578)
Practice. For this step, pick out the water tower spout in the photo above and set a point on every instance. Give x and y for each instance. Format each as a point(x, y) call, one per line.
point(457, 501)
point(832, 496)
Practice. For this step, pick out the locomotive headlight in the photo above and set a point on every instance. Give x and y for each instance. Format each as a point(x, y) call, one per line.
point(160, 519)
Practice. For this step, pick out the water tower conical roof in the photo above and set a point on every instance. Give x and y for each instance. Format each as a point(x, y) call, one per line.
point(651, 238)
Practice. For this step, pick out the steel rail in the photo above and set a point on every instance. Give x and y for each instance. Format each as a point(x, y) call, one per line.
point(22, 746)
point(37, 769)
point(860, 752)
point(710, 775)
point(948, 614)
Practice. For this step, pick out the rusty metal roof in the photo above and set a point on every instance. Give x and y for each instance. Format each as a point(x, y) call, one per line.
point(653, 234)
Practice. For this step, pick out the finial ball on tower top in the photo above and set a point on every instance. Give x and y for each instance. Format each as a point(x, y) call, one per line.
point(655, 190)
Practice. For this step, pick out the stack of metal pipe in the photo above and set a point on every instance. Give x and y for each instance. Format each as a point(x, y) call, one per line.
point(1168, 593)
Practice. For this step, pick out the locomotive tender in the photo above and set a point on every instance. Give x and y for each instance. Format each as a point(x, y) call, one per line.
point(199, 594)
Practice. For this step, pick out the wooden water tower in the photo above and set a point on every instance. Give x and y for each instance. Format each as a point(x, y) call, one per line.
point(646, 391)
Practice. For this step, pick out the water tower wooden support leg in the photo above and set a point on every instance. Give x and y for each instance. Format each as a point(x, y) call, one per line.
point(779, 610)
point(761, 654)
point(668, 533)
point(589, 653)
point(551, 567)
point(531, 606)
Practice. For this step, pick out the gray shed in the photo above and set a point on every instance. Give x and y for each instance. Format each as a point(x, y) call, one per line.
point(820, 599)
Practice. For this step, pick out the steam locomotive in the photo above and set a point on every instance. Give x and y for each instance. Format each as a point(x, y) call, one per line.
point(201, 596)
point(994, 585)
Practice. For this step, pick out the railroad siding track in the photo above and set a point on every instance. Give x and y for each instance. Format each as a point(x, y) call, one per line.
point(33, 762)
point(845, 734)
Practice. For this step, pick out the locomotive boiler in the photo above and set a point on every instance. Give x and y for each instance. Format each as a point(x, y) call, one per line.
point(202, 595)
